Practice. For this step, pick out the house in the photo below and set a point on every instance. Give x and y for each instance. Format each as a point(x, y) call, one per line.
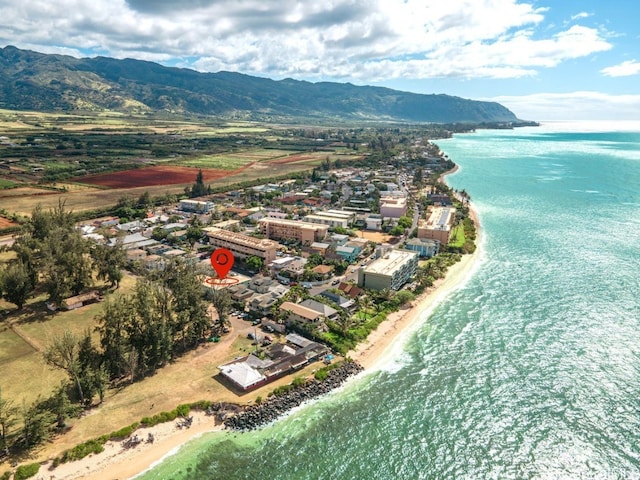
point(134, 226)
point(339, 239)
point(325, 310)
point(339, 300)
point(270, 324)
point(323, 271)
point(300, 314)
point(319, 247)
point(349, 254)
point(261, 304)
point(350, 290)
point(250, 372)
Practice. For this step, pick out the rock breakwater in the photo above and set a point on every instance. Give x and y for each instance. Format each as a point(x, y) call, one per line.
point(258, 415)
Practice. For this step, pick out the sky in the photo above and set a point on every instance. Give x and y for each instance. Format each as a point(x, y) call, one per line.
point(543, 59)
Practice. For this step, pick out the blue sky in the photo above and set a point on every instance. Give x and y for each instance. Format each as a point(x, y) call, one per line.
point(545, 60)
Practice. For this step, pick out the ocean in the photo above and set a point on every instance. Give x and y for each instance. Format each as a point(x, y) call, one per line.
point(530, 370)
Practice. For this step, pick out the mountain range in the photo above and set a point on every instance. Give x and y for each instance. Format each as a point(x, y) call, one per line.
point(35, 81)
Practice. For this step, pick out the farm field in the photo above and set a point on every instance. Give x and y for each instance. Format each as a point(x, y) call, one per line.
point(152, 176)
point(90, 161)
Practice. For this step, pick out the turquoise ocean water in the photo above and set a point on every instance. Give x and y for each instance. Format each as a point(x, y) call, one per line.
point(530, 370)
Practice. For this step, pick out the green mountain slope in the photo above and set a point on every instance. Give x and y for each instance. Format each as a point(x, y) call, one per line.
point(35, 81)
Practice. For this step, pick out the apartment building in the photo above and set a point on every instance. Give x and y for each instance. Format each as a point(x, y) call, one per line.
point(393, 206)
point(439, 224)
point(392, 270)
point(195, 206)
point(282, 229)
point(242, 245)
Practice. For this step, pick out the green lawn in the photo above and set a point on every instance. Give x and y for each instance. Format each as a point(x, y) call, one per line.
point(233, 161)
point(7, 184)
point(12, 347)
point(224, 162)
point(457, 236)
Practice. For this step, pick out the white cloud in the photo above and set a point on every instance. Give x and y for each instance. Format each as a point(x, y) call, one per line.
point(360, 40)
point(583, 105)
point(624, 69)
point(581, 15)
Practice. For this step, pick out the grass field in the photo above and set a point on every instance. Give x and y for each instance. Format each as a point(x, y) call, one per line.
point(222, 162)
point(24, 336)
point(457, 236)
point(4, 183)
point(232, 161)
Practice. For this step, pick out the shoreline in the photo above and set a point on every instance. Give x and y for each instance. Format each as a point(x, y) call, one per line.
point(378, 350)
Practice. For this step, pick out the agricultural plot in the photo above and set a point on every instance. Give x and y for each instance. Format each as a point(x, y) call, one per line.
point(151, 176)
point(233, 161)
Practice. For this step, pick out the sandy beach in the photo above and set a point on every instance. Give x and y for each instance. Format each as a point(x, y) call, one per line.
point(117, 462)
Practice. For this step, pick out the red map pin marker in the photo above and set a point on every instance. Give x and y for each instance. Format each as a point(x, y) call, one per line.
point(222, 261)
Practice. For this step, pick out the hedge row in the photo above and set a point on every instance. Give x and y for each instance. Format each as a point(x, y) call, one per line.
point(26, 471)
point(96, 445)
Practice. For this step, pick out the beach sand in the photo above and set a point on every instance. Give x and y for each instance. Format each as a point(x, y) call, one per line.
point(116, 462)
point(378, 349)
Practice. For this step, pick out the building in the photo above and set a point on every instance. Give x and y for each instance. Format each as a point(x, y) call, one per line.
point(425, 247)
point(374, 222)
point(439, 224)
point(347, 253)
point(392, 270)
point(250, 372)
point(282, 229)
point(78, 301)
point(231, 225)
point(195, 206)
point(325, 310)
point(325, 218)
point(300, 314)
point(242, 245)
point(393, 207)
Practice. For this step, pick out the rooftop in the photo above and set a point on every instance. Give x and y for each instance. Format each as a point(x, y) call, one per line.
point(240, 238)
point(390, 262)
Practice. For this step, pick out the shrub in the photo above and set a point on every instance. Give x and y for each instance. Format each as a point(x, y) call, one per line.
point(183, 410)
point(26, 471)
point(298, 382)
point(321, 374)
point(83, 449)
point(161, 417)
point(6, 475)
point(123, 432)
point(201, 405)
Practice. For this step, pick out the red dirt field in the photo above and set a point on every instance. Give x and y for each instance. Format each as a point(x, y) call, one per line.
point(5, 222)
point(152, 176)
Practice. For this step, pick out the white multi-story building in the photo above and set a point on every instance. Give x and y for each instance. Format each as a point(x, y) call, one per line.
point(392, 270)
point(393, 206)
